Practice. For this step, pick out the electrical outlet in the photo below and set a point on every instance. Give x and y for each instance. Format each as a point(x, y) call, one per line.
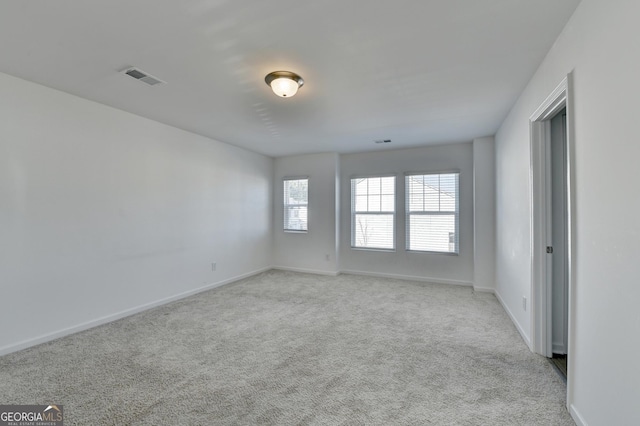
point(524, 302)
point(213, 266)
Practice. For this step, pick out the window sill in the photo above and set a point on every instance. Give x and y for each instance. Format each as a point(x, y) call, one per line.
point(446, 253)
point(383, 250)
point(291, 231)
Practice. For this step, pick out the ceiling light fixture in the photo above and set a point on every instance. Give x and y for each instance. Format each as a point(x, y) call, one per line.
point(284, 83)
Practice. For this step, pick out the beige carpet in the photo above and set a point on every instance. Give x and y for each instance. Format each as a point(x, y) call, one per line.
point(284, 348)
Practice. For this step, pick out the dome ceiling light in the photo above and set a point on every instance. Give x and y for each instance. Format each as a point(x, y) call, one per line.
point(284, 83)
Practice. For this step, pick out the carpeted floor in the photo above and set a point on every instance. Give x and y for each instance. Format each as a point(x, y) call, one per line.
point(283, 348)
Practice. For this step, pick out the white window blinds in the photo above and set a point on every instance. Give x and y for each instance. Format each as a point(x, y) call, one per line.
point(432, 209)
point(373, 212)
point(296, 203)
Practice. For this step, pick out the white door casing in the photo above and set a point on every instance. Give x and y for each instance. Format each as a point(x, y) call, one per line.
point(540, 227)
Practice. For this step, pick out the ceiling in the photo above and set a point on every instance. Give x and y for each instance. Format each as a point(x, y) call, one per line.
point(416, 72)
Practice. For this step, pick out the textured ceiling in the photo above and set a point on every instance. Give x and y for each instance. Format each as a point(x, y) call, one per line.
point(417, 72)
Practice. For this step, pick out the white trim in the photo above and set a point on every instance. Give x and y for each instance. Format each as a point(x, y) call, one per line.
point(524, 336)
point(554, 102)
point(539, 136)
point(409, 277)
point(295, 178)
point(562, 96)
point(576, 416)
point(118, 315)
point(375, 175)
point(442, 172)
point(306, 271)
point(484, 290)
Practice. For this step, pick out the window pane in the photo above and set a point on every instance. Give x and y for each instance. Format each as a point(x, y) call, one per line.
point(434, 225)
point(361, 186)
point(432, 233)
point(431, 180)
point(431, 198)
point(374, 186)
point(374, 203)
point(296, 196)
point(448, 183)
point(296, 191)
point(388, 185)
point(374, 196)
point(447, 202)
point(374, 231)
point(296, 218)
point(388, 203)
point(415, 193)
point(361, 203)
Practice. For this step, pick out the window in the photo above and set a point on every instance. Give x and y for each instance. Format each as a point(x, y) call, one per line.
point(432, 210)
point(373, 212)
point(296, 201)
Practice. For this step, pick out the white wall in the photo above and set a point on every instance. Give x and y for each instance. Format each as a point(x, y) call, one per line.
point(102, 212)
point(308, 251)
point(484, 214)
point(454, 269)
point(600, 44)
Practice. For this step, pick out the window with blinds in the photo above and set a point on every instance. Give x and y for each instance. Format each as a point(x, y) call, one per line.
point(433, 210)
point(296, 204)
point(373, 212)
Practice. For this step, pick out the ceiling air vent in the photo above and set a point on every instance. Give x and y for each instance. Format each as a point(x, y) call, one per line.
point(140, 75)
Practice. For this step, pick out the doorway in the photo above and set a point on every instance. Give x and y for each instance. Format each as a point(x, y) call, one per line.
point(558, 256)
point(551, 227)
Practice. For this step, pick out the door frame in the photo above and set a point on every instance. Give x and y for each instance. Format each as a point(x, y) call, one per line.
point(540, 229)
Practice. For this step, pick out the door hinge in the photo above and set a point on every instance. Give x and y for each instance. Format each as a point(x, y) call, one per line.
point(549, 249)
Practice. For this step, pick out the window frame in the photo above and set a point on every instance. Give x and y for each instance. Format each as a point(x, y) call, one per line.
point(354, 213)
point(455, 213)
point(286, 207)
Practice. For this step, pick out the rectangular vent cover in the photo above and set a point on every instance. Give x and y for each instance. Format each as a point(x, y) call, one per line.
point(140, 75)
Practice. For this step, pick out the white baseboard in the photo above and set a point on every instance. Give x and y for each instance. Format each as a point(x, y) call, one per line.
point(113, 317)
point(484, 289)
point(307, 271)
point(409, 277)
point(576, 416)
point(524, 335)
